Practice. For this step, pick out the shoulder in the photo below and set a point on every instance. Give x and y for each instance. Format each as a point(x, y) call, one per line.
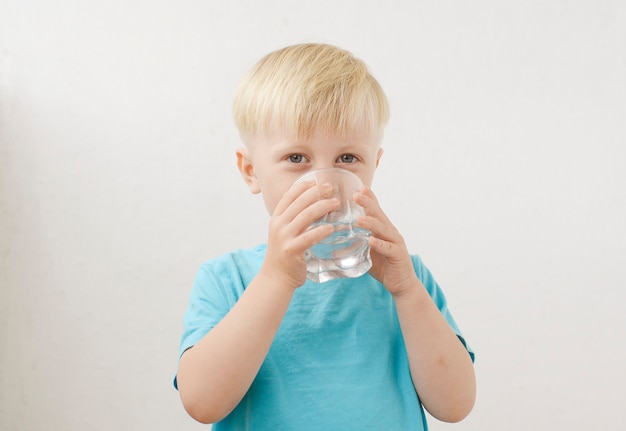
point(220, 281)
point(428, 280)
point(238, 261)
point(230, 271)
point(423, 273)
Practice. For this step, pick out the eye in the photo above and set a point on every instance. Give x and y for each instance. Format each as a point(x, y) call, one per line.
point(296, 158)
point(347, 158)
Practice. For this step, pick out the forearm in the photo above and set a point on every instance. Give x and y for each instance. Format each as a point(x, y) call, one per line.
point(441, 368)
point(214, 375)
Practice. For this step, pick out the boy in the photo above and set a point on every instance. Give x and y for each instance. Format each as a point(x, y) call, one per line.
point(265, 349)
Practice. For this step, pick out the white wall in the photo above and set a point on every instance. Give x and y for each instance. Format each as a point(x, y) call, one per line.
point(504, 169)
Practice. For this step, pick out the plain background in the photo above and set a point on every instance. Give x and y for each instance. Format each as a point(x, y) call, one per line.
point(504, 168)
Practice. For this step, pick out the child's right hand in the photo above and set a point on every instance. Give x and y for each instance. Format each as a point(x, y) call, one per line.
point(289, 234)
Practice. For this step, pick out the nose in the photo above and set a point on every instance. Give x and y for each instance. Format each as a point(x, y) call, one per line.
point(318, 166)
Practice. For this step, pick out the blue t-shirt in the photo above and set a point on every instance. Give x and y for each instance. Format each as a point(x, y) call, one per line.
point(338, 360)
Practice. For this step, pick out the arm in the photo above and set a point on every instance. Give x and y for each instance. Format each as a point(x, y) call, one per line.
point(215, 374)
point(441, 368)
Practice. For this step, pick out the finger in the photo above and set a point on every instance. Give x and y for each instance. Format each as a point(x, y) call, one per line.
point(375, 219)
point(312, 236)
point(307, 199)
point(385, 248)
point(367, 199)
point(380, 229)
point(291, 195)
point(312, 213)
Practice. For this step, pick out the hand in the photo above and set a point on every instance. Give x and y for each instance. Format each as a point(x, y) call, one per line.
point(289, 234)
point(391, 262)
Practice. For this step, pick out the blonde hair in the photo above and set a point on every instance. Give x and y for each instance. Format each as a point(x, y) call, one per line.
point(306, 88)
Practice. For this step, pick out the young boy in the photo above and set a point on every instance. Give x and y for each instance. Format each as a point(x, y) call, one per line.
point(264, 348)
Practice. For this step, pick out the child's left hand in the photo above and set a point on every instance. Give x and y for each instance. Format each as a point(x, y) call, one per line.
point(391, 262)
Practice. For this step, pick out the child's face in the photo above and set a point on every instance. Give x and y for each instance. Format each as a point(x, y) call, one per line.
point(270, 165)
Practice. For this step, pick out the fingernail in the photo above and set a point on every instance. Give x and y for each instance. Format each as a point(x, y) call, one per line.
point(326, 188)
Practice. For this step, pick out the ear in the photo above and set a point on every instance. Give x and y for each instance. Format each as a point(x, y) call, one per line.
point(378, 156)
point(244, 163)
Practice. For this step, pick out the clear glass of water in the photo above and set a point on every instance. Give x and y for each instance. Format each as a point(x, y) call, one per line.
point(346, 252)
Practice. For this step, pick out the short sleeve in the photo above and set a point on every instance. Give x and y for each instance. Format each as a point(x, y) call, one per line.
point(438, 297)
point(207, 306)
point(213, 294)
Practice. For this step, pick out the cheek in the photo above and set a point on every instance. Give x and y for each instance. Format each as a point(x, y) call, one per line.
point(272, 196)
point(367, 178)
point(270, 204)
point(274, 184)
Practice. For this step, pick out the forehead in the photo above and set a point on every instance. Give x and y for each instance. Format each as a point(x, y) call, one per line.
point(279, 140)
